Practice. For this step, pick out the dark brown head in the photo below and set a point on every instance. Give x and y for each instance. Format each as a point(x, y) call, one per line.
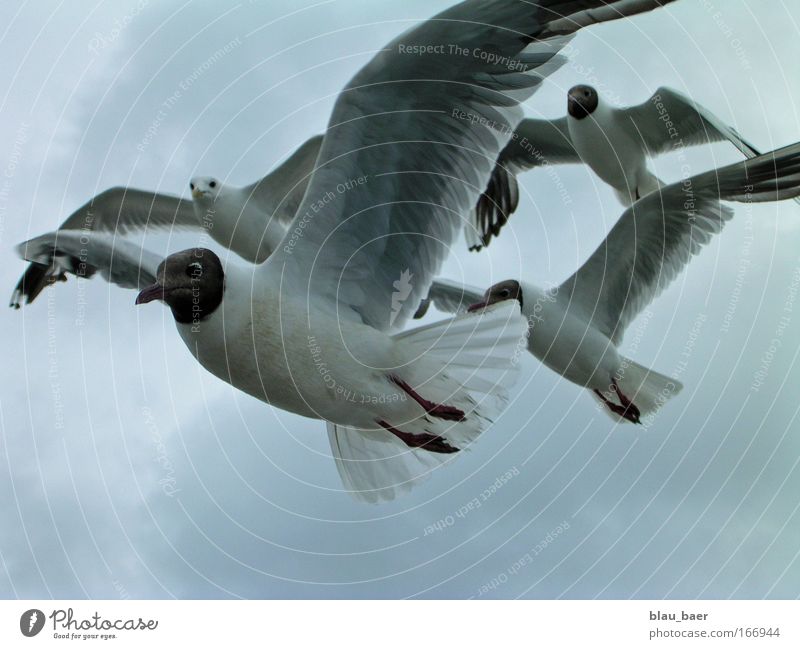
point(582, 101)
point(190, 282)
point(507, 290)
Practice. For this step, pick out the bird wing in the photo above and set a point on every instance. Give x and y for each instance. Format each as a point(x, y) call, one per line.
point(410, 146)
point(123, 209)
point(535, 143)
point(119, 261)
point(658, 235)
point(117, 210)
point(280, 193)
point(669, 120)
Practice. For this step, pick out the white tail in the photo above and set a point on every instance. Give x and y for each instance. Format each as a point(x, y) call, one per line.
point(468, 362)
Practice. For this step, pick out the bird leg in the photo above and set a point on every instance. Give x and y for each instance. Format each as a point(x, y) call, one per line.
point(434, 409)
point(432, 443)
point(627, 410)
point(626, 403)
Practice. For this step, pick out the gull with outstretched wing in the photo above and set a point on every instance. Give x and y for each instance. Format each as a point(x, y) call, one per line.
point(576, 328)
point(615, 143)
point(250, 221)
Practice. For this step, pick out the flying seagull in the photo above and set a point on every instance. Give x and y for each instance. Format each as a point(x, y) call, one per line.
point(250, 221)
point(576, 328)
point(312, 330)
point(614, 142)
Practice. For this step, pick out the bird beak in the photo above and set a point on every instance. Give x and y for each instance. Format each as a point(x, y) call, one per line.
point(196, 193)
point(478, 306)
point(154, 292)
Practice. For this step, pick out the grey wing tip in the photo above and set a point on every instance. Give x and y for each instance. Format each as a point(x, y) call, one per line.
point(497, 203)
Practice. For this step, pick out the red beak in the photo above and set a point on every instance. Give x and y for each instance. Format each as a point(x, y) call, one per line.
point(154, 292)
point(477, 306)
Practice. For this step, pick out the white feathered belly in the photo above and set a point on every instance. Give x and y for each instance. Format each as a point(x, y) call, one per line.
point(308, 372)
point(608, 151)
point(574, 349)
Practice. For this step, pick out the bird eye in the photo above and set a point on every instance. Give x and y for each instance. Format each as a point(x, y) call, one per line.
point(191, 186)
point(212, 184)
point(505, 293)
point(195, 269)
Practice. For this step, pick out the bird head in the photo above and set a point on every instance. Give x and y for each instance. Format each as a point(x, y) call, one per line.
point(190, 282)
point(205, 189)
point(509, 289)
point(582, 101)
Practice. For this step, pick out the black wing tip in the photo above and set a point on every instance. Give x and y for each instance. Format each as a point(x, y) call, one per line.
point(424, 305)
point(33, 281)
point(495, 205)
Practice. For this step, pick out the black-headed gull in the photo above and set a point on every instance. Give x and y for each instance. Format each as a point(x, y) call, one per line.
point(249, 220)
point(614, 142)
point(575, 328)
point(410, 144)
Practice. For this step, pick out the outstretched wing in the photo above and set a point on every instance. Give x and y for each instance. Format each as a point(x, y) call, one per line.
point(280, 193)
point(119, 261)
point(118, 210)
point(409, 148)
point(670, 120)
point(658, 235)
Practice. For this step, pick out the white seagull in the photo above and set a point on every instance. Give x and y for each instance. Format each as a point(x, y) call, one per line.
point(411, 142)
point(614, 142)
point(576, 328)
point(250, 221)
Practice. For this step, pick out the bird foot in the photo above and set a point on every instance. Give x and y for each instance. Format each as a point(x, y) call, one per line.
point(627, 410)
point(438, 410)
point(635, 414)
point(432, 443)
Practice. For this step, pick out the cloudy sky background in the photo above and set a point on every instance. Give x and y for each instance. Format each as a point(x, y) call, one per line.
point(127, 471)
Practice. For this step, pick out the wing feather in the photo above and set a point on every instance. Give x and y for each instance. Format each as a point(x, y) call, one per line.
point(658, 235)
point(670, 120)
point(280, 193)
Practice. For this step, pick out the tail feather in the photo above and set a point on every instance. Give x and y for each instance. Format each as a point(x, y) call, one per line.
point(376, 467)
point(468, 362)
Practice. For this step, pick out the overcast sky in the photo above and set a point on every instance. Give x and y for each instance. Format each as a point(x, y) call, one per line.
point(127, 471)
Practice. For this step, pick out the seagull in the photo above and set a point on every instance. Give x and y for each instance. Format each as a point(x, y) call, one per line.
point(250, 221)
point(576, 328)
point(316, 328)
point(614, 142)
